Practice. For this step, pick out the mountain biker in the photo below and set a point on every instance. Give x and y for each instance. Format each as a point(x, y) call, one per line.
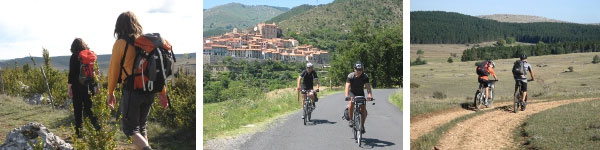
point(305, 83)
point(523, 80)
point(355, 87)
point(484, 79)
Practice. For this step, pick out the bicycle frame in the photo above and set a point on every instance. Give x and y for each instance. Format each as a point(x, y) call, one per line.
point(308, 105)
point(480, 95)
point(357, 118)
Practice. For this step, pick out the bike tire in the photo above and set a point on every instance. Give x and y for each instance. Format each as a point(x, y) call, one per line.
point(305, 112)
point(478, 101)
point(491, 98)
point(310, 109)
point(517, 98)
point(359, 133)
point(354, 118)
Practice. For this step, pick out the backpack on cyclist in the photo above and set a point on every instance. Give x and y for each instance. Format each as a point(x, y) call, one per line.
point(482, 68)
point(519, 68)
point(87, 75)
point(153, 64)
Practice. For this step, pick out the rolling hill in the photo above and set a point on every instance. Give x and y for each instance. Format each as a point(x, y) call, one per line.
point(62, 62)
point(437, 27)
point(224, 18)
point(518, 18)
point(339, 15)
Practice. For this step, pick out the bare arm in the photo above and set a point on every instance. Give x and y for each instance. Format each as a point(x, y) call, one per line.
point(347, 89)
point(317, 81)
point(369, 91)
point(532, 75)
point(298, 83)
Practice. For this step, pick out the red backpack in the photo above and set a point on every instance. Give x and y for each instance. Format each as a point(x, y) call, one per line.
point(482, 68)
point(154, 63)
point(87, 74)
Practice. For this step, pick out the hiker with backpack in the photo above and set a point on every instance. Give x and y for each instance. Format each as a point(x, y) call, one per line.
point(520, 69)
point(141, 63)
point(81, 83)
point(484, 70)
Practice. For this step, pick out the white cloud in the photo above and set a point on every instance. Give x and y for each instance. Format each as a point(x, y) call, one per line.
point(28, 25)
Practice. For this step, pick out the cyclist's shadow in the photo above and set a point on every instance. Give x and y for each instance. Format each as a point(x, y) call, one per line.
point(372, 143)
point(319, 121)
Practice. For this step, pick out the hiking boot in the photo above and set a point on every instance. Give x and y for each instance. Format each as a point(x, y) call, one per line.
point(486, 103)
point(523, 105)
point(363, 130)
point(302, 116)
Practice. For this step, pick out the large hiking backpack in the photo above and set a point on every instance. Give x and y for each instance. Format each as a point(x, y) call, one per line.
point(519, 68)
point(482, 68)
point(87, 74)
point(154, 63)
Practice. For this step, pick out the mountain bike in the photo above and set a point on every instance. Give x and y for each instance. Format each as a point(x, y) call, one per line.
point(480, 95)
point(519, 97)
point(309, 105)
point(357, 118)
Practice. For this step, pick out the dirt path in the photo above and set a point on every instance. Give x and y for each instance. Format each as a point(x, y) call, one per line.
point(427, 123)
point(493, 130)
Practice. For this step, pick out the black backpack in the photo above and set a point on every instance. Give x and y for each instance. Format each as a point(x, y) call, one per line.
point(154, 63)
point(519, 68)
point(482, 69)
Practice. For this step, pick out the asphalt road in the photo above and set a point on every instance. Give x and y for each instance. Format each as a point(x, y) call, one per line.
point(328, 131)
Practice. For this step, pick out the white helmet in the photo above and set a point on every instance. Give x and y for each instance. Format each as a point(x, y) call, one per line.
point(309, 65)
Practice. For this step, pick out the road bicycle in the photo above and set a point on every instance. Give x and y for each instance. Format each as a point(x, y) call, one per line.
point(357, 118)
point(479, 100)
point(519, 98)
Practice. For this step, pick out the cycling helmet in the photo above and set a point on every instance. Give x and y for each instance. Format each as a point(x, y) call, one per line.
point(309, 65)
point(523, 57)
point(358, 65)
point(492, 63)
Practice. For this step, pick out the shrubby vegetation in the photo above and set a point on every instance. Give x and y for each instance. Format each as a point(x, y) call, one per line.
point(503, 52)
point(436, 27)
point(380, 50)
point(249, 79)
point(180, 116)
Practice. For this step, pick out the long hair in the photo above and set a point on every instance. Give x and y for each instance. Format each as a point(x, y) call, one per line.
point(127, 26)
point(78, 45)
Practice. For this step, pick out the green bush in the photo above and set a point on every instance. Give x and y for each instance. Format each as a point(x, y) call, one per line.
point(419, 61)
point(596, 59)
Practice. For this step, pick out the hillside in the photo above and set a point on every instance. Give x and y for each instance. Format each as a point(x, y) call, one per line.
point(62, 62)
point(326, 26)
point(518, 18)
point(289, 14)
point(224, 18)
point(437, 27)
point(340, 14)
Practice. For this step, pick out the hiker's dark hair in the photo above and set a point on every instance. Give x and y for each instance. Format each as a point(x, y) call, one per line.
point(78, 45)
point(127, 26)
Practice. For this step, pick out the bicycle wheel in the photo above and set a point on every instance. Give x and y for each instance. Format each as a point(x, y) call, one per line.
point(358, 132)
point(491, 98)
point(478, 101)
point(517, 99)
point(305, 108)
point(310, 109)
point(354, 124)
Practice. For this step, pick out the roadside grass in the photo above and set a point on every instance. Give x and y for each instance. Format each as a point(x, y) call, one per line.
point(572, 126)
point(246, 115)
point(396, 99)
point(15, 113)
point(458, 80)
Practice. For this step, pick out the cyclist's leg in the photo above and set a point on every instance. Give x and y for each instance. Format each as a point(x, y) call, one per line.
point(363, 111)
point(524, 89)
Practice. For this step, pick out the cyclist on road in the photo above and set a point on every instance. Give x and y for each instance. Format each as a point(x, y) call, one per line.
point(355, 84)
point(523, 80)
point(484, 78)
point(306, 78)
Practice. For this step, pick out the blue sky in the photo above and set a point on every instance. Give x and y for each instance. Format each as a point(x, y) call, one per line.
point(280, 3)
point(28, 25)
point(577, 11)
